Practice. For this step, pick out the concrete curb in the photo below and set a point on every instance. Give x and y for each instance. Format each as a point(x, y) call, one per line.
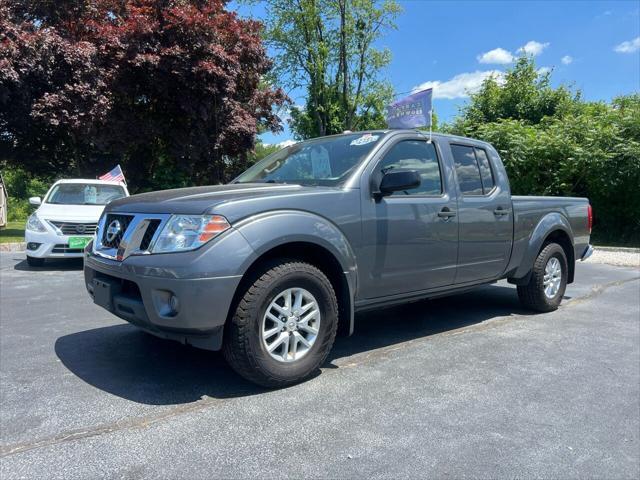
point(13, 247)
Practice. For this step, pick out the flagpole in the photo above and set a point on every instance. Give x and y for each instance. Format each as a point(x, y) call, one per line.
point(124, 179)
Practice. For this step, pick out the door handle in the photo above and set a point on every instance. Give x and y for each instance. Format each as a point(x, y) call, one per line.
point(446, 213)
point(500, 211)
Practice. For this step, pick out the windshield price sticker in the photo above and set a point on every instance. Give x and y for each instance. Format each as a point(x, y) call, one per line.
point(364, 139)
point(90, 194)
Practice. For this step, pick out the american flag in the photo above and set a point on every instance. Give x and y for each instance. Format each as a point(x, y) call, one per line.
point(115, 175)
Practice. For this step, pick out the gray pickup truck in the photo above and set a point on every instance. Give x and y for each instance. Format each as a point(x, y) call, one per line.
point(269, 267)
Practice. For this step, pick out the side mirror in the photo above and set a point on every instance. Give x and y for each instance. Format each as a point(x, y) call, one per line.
point(35, 201)
point(398, 180)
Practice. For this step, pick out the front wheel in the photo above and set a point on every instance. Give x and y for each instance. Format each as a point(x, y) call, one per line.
point(548, 280)
point(284, 325)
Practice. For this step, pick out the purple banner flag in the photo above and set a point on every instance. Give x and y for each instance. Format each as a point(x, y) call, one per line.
point(411, 112)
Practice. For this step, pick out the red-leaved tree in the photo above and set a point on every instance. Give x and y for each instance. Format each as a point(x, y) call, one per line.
point(173, 90)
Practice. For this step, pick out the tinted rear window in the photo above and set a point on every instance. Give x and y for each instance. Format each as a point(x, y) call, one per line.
point(485, 170)
point(467, 170)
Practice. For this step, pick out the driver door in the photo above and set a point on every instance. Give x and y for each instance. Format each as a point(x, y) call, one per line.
point(410, 238)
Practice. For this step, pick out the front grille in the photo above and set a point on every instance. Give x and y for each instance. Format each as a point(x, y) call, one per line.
point(75, 228)
point(64, 248)
point(148, 234)
point(135, 235)
point(110, 241)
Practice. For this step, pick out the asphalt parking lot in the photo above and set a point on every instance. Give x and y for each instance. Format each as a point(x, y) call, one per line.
point(466, 386)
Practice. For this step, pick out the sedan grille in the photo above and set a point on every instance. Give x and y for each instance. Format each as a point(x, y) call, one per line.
point(64, 248)
point(75, 228)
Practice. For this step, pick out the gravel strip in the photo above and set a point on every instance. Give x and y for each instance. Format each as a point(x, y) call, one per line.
point(618, 257)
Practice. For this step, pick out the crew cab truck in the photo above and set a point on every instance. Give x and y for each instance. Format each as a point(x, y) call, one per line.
point(269, 267)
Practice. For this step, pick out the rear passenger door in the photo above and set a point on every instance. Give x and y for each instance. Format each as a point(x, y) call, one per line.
point(485, 216)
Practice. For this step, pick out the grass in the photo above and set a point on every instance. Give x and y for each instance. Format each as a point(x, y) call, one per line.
point(13, 232)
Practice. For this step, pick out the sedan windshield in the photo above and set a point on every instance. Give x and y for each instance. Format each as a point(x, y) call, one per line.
point(84, 194)
point(324, 161)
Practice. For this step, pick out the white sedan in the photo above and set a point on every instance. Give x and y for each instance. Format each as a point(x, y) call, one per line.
point(66, 219)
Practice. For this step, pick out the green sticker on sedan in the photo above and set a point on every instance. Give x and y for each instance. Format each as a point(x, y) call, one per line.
point(78, 242)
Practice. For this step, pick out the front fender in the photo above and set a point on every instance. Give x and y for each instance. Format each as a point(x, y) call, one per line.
point(272, 229)
point(547, 224)
point(269, 230)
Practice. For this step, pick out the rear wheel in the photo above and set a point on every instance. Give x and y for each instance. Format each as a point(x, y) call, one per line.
point(284, 325)
point(35, 262)
point(548, 280)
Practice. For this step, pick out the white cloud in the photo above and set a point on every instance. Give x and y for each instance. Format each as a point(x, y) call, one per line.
point(629, 46)
point(497, 55)
point(286, 143)
point(533, 48)
point(566, 60)
point(543, 70)
point(459, 86)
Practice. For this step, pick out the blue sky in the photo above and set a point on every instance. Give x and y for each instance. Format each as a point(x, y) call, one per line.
point(594, 46)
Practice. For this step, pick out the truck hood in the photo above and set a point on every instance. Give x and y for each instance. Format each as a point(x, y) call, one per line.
point(219, 199)
point(70, 213)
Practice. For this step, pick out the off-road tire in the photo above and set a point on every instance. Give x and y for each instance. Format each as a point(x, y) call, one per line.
point(243, 347)
point(532, 295)
point(35, 262)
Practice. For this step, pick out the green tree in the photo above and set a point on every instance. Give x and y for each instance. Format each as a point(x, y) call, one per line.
point(523, 93)
point(169, 89)
point(554, 143)
point(326, 48)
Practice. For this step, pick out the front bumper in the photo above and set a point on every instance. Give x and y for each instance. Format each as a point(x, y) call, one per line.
point(50, 245)
point(203, 282)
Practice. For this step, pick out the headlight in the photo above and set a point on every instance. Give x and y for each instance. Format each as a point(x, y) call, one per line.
point(34, 224)
point(188, 232)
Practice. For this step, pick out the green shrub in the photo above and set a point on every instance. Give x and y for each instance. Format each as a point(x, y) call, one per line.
point(554, 143)
point(20, 186)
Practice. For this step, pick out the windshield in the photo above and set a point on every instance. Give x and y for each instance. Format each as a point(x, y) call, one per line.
point(84, 194)
point(323, 161)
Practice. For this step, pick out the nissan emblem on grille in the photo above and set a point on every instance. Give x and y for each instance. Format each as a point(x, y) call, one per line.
point(113, 230)
point(80, 228)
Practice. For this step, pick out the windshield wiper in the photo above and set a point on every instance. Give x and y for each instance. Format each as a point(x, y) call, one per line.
point(264, 181)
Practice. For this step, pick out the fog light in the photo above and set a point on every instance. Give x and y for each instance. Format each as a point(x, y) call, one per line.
point(33, 245)
point(174, 304)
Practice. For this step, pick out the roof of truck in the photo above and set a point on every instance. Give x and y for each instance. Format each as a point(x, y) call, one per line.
point(408, 131)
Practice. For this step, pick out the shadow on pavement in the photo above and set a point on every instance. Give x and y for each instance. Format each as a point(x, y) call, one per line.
point(51, 264)
point(131, 364)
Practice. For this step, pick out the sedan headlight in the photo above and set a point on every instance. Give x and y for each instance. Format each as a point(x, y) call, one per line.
point(34, 224)
point(188, 232)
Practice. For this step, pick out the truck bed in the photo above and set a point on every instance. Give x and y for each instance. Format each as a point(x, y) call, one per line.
point(528, 211)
